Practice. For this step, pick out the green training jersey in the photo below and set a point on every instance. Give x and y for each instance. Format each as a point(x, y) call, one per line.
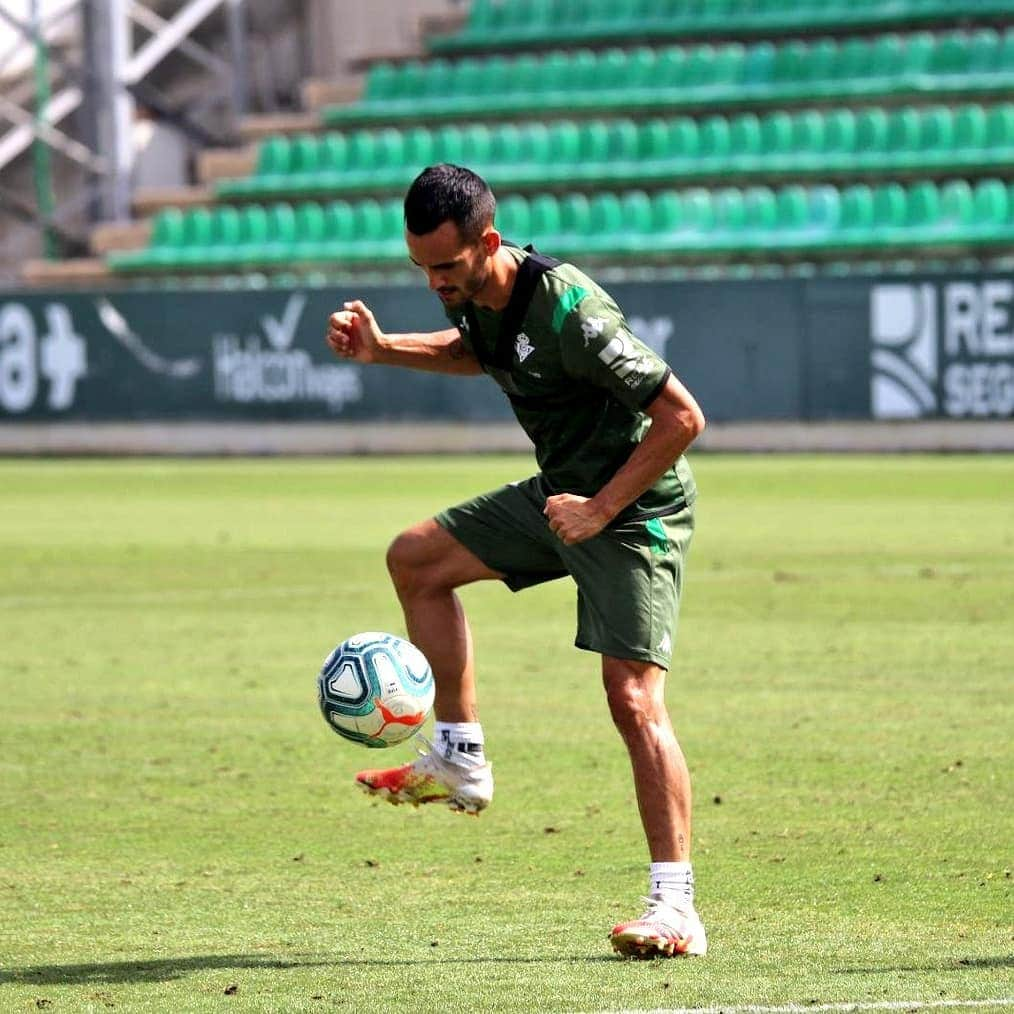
point(578, 381)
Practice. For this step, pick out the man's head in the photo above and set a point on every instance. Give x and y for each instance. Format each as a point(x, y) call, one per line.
point(449, 230)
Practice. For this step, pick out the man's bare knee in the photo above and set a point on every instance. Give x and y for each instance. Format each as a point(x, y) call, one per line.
point(410, 560)
point(634, 695)
point(426, 558)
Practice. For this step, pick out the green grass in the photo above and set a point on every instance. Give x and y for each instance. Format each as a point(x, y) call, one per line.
point(176, 820)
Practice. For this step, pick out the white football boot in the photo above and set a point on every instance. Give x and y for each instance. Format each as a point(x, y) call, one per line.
point(663, 931)
point(432, 779)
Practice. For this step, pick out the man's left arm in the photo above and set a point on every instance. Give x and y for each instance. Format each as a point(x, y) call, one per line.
point(676, 419)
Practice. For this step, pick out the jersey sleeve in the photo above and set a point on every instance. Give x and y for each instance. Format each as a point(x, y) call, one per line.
point(599, 347)
point(460, 321)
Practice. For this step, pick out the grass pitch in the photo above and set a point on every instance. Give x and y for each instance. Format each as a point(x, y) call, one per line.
point(178, 829)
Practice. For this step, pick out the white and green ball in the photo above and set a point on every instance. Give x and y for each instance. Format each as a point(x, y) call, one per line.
point(375, 689)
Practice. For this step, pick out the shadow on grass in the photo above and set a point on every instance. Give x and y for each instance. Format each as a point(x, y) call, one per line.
point(161, 970)
point(166, 969)
point(943, 965)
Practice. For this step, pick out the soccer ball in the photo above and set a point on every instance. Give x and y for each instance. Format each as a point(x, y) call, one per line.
point(375, 689)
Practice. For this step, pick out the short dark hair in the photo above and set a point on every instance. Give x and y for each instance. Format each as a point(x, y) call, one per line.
point(446, 192)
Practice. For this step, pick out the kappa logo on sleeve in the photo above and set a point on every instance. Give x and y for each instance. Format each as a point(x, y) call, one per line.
point(592, 327)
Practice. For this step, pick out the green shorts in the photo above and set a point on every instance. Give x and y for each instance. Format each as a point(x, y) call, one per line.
point(629, 577)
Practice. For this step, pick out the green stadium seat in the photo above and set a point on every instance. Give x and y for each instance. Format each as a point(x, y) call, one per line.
point(760, 214)
point(334, 153)
point(606, 221)
point(758, 66)
point(545, 216)
point(644, 78)
point(594, 141)
point(699, 222)
point(310, 224)
point(990, 204)
point(666, 215)
point(419, 148)
point(889, 211)
point(437, 80)
point(198, 232)
point(389, 151)
point(684, 138)
point(535, 147)
point(520, 23)
point(273, 157)
point(922, 207)
point(745, 135)
point(304, 156)
point(1000, 126)
point(776, 133)
point(563, 144)
point(621, 142)
point(956, 206)
point(871, 130)
point(636, 214)
point(792, 213)
point(575, 215)
point(253, 224)
point(506, 141)
point(698, 210)
point(514, 218)
point(225, 227)
point(808, 134)
point(935, 131)
point(970, 128)
point(168, 230)
point(470, 76)
point(653, 142)
point(885, 56)
point(449, 145)
point(824, 210)
point(715, 139)
point(730, 215)
point(476, 144)
point(383, 82)
point(840, 132)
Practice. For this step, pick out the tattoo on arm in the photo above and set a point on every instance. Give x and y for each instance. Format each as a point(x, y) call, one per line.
point(457, 350)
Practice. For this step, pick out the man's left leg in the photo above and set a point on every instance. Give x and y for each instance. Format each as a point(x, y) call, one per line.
point(635, 691)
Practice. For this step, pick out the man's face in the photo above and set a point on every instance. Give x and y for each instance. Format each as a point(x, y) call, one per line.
point(455, 270)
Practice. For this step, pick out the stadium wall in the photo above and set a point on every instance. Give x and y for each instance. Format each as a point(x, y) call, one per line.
point(807, 350)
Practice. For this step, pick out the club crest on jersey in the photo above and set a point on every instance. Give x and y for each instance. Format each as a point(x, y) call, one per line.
point(523, 347)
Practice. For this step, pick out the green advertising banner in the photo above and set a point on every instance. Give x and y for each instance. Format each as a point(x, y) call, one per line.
point(849, 348)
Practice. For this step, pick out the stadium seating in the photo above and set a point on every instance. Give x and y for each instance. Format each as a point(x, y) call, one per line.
point(726, 222)
point(645, 79)
point(498, 25)
point(626, 152)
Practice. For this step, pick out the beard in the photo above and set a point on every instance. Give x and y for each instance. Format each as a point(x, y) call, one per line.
point(458, 295)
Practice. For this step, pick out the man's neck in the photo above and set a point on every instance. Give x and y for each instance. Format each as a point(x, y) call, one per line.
point(496, 293)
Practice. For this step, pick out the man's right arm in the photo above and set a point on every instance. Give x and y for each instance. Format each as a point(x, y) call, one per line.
point(353, 333)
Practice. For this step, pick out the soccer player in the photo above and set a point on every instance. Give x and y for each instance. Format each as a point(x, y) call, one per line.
point(612, 506)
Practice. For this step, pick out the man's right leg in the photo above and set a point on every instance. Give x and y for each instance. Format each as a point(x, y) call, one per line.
point(427, 564)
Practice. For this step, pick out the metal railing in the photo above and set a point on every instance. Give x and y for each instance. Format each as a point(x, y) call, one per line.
point(106, 83)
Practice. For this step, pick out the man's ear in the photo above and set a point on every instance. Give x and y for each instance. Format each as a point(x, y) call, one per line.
point(492, 242)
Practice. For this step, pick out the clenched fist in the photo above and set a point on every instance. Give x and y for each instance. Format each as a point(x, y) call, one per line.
point(353, 333)
point(574, 518)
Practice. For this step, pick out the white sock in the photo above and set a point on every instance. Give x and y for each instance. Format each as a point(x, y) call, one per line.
point(460, 742)
point(673, 883)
